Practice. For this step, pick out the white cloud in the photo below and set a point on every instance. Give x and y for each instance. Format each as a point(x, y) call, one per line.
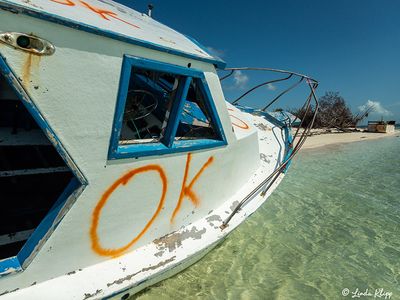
point(240, 79)
point(271, 87)
point(377, 108)
point(216, 52)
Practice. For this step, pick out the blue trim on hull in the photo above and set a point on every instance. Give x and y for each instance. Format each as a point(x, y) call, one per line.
point(12, 7)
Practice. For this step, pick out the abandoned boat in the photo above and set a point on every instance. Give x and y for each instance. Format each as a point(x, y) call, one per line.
point(121, 162)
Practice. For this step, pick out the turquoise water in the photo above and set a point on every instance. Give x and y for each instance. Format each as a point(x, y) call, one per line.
point(333, 223)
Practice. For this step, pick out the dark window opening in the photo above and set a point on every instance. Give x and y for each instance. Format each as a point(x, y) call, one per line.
point(32, 173)
point(195, 121)
point(148, 101)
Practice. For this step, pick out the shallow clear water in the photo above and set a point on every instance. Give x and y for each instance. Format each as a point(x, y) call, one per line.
point(333, 223)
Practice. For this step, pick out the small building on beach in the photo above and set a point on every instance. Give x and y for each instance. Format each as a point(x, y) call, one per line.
point(381, 126)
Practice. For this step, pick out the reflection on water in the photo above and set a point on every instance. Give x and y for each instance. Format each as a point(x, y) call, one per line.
point(333, 223)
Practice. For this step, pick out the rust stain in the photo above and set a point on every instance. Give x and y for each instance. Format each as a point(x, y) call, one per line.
point(186, 190)
point(123, 180)
point(31, 65)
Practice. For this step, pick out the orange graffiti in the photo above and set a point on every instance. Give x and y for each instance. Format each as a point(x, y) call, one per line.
point(244, 126)
point(96, 246)
point(103, 13)
point(186, 191)
point(64, 2)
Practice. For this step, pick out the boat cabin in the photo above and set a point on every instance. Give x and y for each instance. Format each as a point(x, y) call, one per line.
point(121, 162)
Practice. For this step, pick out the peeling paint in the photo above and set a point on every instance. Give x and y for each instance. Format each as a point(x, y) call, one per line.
point(264, 158)
point(7, 292)
point(234, 204)
point(87, 296)
point(213, 218)
point(129, 277)
point(262, 127)
point(175, 239)
point(121, 280)
point(160, 264)
point(159, 253)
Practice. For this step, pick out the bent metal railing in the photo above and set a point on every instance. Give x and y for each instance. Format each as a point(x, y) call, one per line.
point(298, 139)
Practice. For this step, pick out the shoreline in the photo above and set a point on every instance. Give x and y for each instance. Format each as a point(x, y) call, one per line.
point(328, 139)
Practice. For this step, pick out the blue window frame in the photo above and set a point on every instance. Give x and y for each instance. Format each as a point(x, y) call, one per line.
point(175, 113)
point(17, 262)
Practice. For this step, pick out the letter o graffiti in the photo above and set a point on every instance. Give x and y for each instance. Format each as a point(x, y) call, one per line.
point(123, 180)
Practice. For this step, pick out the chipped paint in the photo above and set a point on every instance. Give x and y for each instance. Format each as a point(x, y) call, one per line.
point(130, 276)
point(7, 292)
point(121, 280)
point(160, 264)
point(234, 205)
point(175, 239)
point(87, 296)
point(262, 127)
point(264, 158)
point(213, 218)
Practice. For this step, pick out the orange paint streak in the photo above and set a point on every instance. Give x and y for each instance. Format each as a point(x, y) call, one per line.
point(64, 2)
point(29, 68)
point(186, 191)
point(96, 246)
point(244, 126)
point(105, 14)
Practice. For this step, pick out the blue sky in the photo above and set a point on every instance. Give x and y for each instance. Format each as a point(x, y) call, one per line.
point(349, 46)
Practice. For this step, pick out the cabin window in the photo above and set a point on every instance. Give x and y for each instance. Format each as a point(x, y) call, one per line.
point(35, 182)
point(195, 120)
point(163, 108)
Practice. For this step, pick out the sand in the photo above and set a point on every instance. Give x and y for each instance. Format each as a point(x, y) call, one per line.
point(327, 139)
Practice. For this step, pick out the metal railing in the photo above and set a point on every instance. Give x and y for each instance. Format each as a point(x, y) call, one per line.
point(298, 138)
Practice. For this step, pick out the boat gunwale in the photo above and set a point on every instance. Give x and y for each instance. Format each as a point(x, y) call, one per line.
point(53, 18)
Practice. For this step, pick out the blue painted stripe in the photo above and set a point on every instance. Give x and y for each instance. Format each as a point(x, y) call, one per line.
point(175, 115)
point(9, 265)
point(120, 106)
point(103, 32)
point(149, 64)
point(210, 106)
point(47, 223)
point(289, 147)
point(160, 149)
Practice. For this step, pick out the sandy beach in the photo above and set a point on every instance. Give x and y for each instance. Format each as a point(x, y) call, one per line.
point(327, 139)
